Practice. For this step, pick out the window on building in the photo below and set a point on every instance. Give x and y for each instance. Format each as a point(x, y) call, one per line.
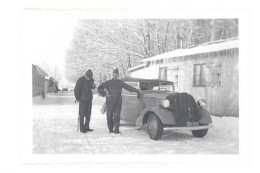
point(199, 75)
point(207, 74)
point(163, 73)
point(213, 72)
point(173, 75)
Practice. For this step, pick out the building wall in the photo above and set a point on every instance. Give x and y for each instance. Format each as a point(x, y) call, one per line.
point(38, 81)
point(222, 99)
point(46, 85)
point(37, 84)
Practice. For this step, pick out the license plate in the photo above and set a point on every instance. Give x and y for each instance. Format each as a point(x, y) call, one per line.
point(189, 124)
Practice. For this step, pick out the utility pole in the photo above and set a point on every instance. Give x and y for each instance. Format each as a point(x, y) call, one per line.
point(55, 72)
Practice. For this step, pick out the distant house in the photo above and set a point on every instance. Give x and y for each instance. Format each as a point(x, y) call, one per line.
point(209, 71)
point(53, 85)
point(42, 82)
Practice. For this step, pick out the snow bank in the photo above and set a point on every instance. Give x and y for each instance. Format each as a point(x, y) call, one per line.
point(226, 127)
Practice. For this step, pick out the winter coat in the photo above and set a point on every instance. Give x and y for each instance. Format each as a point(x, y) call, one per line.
point(83, 89)
point(114, 88)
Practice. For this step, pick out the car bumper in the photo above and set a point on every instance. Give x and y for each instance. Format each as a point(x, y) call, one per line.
point(190, 128)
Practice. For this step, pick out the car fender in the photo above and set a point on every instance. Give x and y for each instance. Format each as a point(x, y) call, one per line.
point(205, 116)
point(166, 116)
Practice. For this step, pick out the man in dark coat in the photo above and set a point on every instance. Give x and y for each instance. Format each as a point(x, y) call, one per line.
point(114, 100)
point(83, 94)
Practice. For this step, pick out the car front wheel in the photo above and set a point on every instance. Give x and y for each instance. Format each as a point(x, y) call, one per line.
point(154, 127)
point(199, 133)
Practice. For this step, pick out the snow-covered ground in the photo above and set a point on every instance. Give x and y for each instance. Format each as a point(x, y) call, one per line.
point(55, 132)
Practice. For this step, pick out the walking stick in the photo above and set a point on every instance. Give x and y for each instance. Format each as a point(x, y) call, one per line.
point(78, 119)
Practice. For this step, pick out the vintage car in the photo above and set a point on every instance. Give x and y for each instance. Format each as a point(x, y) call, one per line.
point(159, 107)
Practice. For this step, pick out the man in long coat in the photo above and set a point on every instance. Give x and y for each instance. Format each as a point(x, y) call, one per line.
point(114, 100)
point(83, 94)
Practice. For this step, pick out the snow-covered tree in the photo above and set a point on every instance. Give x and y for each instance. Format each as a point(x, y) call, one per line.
point(102, 45)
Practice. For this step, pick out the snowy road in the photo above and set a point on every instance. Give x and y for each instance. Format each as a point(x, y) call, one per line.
point(55, 132)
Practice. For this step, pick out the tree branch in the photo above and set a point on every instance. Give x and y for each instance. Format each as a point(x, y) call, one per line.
point(115, 47)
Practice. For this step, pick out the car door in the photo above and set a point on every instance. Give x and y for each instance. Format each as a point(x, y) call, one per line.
point(130, 106)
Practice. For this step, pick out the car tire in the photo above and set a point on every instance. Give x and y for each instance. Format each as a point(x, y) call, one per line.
point(199, 133)
point(154, 127)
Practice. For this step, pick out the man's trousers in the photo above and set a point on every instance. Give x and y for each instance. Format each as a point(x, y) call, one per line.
point(113, 113)
point(85, 107)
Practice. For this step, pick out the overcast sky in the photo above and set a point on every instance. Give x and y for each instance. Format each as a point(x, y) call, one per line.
point(46, 36)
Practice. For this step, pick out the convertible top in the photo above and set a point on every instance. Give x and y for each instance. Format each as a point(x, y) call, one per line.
point(130, 79)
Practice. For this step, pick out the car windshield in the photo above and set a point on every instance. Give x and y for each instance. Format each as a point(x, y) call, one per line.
point(155, 86)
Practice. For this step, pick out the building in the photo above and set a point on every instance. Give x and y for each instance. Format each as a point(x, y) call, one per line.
point(209, 70)
point(52, 85)
point(42, 82)
point(38, 80)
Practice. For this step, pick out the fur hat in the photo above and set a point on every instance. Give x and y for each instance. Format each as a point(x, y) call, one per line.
point(89, 73)
point(116, 71)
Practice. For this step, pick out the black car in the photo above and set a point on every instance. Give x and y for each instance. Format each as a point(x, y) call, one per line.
point(159, 107)
point(65, 89)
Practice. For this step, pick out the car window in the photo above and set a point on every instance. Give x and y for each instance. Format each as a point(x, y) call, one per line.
point(146, 86)
point(164, 87)
point(156, 86)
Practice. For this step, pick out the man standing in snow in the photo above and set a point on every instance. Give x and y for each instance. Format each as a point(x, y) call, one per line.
point(83, 94)
point(114, 100)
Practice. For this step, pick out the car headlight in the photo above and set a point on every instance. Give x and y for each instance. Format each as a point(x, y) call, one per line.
point(165, 103)
point(201, 102)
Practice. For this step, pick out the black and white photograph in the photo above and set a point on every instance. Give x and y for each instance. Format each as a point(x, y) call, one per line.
point(166, 87)
point(134, 86)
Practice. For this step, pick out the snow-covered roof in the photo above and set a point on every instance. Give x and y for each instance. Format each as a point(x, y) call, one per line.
point(39, 70)
point(137, 67)
point(202, 48)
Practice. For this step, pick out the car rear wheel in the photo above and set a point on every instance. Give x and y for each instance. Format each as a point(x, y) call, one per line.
point(199, 133)
point(154, 127)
